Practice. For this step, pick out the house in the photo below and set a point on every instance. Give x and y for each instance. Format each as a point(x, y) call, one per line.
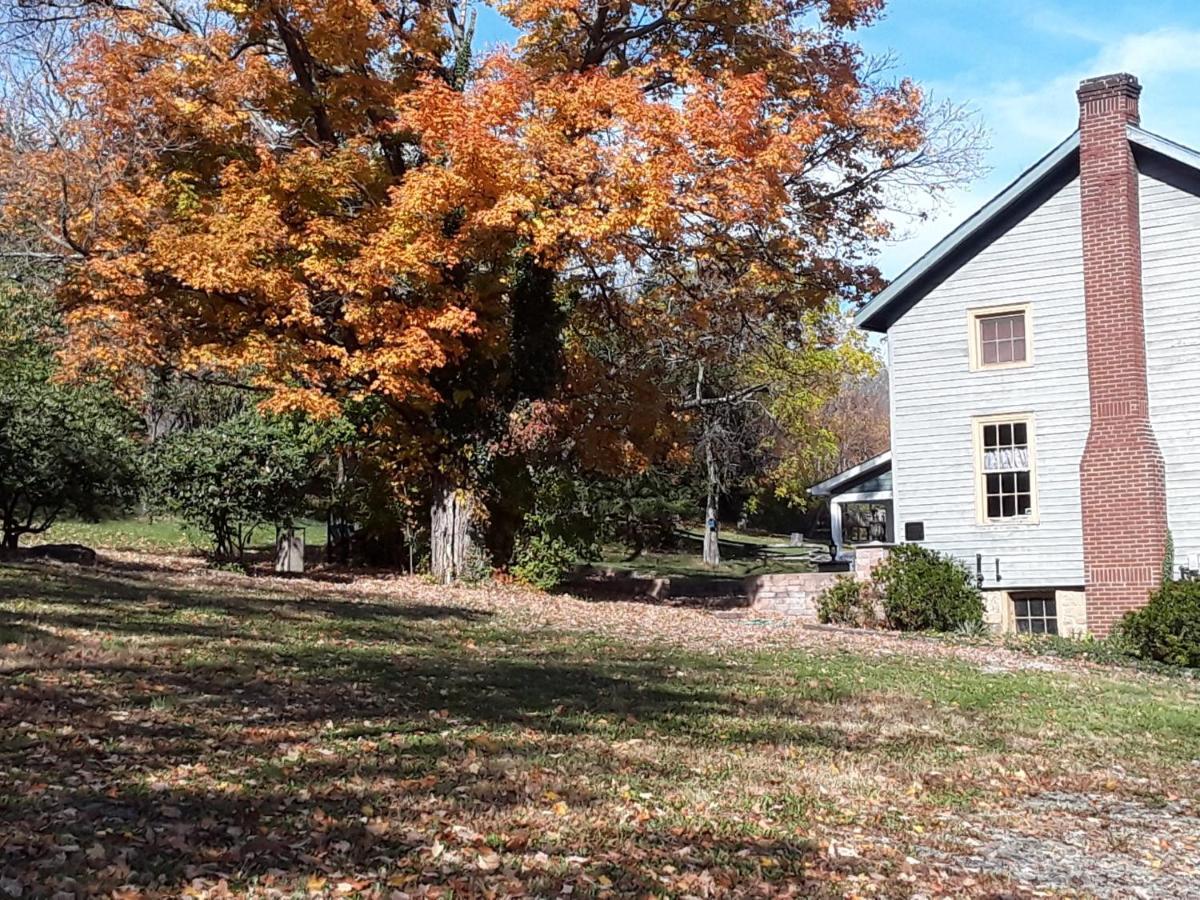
point(1045, 379)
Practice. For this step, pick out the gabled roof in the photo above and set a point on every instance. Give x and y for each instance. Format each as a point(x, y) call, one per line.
point(834, 485)
point(1156, 156)
point(972, 236)
point(1139, 137)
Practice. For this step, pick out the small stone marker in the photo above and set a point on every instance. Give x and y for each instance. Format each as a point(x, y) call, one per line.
point(796, 539)
point(289, 551)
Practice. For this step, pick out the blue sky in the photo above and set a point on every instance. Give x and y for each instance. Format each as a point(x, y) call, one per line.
point(1016, 64)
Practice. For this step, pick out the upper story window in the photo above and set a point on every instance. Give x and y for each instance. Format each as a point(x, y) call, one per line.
point(1000, 338)
point(1005, 470)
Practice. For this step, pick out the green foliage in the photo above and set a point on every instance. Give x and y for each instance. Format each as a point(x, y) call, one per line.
point(542, 561)
point(923, 590)
point(804, 377)
point(973, 630)
point(848, 602)
point(64, 450)
point(1167, 629)
point(1112, 650)
point(229, 478)
point(1168, 566)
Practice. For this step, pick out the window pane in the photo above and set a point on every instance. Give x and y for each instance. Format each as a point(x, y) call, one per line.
point(989, 354)
point(1008, 507)
point(1018, 350)
point(993, 484)
point(1004, 352)
point(988, 329)
point(1023, 626)
point(1021, 607)
point(1008, 482)
point(1004, 328)
point(1052, 608)
point(989, 435)
point(1037, 626)
point(1006, 434)
point(1018, 326)
point(1024, 504)
point(993, 507)
point(1023, 482)
point(1020, 434)
point(1052, 626)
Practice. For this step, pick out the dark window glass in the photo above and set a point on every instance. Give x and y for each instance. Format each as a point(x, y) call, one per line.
point(1008, 483)
point(1036, 615)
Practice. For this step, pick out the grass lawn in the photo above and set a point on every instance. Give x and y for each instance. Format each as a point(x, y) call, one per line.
point(162, 534)
point(168, 731)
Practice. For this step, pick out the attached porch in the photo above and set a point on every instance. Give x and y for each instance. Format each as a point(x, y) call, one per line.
point(860, 503)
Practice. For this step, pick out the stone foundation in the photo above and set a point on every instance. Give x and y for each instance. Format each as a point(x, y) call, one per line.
point(1000, 616)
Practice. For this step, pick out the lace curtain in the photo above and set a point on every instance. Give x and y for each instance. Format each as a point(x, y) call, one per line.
point(1006, 459)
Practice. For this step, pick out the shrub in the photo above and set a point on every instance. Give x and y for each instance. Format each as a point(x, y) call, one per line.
point(542, 561)
point(923, 590)
point(64, 449)
point(1167, 629)
point(228, 479)
point(848, 602)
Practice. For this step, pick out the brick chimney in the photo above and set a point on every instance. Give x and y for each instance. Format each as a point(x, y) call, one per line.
point(1122, 476)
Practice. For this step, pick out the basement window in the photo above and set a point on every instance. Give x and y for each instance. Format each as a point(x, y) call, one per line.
point(1036, 615)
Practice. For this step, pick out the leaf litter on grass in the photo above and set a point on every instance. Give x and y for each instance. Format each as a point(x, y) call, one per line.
point(171, 730)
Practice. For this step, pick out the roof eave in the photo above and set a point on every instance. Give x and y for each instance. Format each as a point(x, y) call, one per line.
point(829, 486)
point(1163, 146)
point(880, 313)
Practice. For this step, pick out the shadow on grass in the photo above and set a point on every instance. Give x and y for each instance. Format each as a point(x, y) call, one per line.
point(243, 734)
point(140, 602)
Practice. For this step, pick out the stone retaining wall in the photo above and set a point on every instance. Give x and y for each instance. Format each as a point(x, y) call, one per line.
point(796, 594)
point(791, 594)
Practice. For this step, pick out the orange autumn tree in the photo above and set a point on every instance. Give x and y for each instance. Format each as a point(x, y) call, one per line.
point(333, 202)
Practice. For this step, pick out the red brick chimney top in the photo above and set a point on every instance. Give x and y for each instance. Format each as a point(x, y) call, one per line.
point(1109, 94)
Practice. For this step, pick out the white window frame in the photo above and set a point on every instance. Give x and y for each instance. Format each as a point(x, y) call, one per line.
point(977, 426)
point(974, 340)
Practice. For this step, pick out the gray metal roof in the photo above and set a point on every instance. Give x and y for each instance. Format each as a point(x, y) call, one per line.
point(832, 486)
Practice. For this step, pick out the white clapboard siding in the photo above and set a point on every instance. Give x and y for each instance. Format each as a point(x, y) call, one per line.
point(935, 396)
point(1171, 288)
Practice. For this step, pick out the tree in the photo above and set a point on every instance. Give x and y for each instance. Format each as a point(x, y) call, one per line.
point(63, 450)
point(329, 202)
point(228, 479)
point(859, 421)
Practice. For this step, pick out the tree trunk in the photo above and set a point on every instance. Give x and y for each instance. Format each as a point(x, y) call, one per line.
point(451, 542)
point(712, 546)
point(11, 540)
point(712, 522)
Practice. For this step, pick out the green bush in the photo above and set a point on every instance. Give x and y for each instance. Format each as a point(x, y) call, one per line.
point(542, 561)
point(65, 450)
point(848, 602)
point(1167, 629)
point(228, 479)
point(923, 590)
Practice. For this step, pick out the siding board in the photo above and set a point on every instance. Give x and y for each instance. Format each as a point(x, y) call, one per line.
point(935, 396)
point(1171, 290)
